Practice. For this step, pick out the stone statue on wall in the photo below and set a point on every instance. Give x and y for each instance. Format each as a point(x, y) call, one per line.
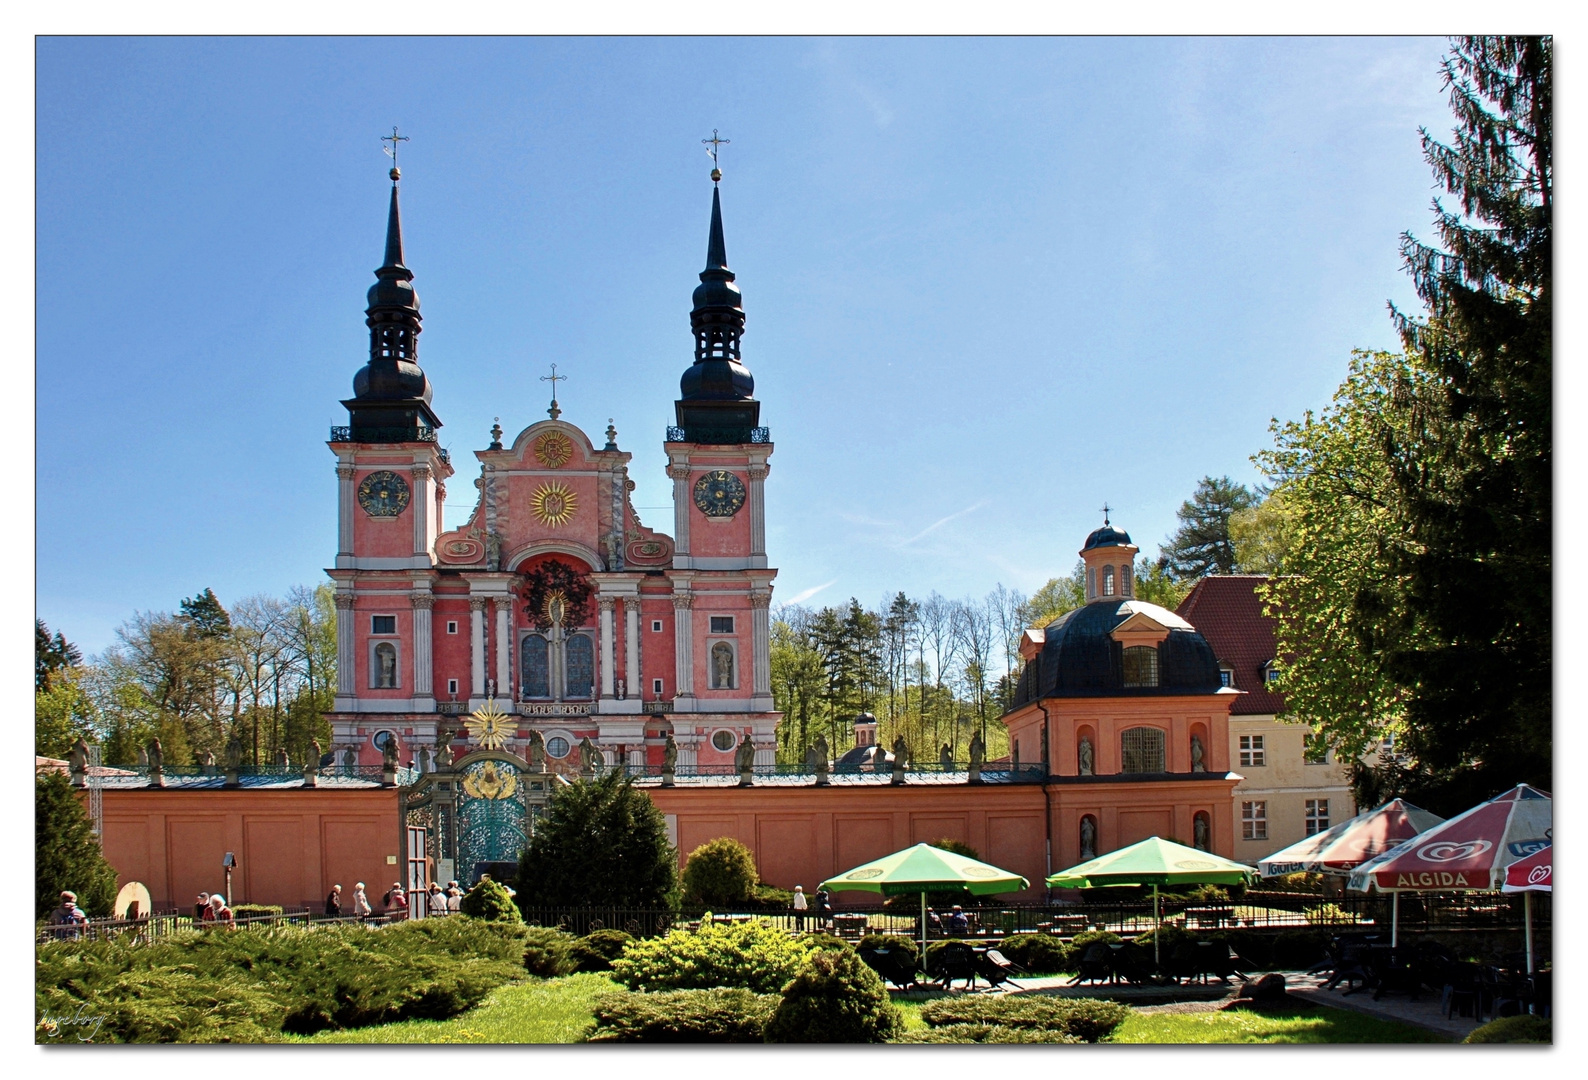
point(901, 752)
point(143, 756)
point(443, 748)
point(349, 758)
point(207, 761)
point(1084, 756)
point(77, 760)
point(388, 753)
point(314, 749)
point(422, 759)
point(670, 754)
point(744, 758)
point(156, 756)
point(588, 756)
point(978, 752)
point(282, 759)
point(234, 753)
point(1088, 839)
point(535, 751)
point(817, 755)
point(1199, 832)
point(1196, 754)
point(945, 757)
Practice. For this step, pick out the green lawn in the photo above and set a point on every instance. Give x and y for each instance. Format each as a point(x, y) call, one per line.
point(1321, 1024)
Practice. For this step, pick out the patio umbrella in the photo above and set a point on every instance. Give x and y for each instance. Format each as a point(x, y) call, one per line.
point(923, 869)
point(1154, 861)
point(1470, 851)
point(1528, 876)
point(1349, 844)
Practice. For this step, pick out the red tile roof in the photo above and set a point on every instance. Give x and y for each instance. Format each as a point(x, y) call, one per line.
point(1226, 611)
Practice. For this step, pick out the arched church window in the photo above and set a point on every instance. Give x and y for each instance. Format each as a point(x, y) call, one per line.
point(385, 666)
point(533, 667)
point(1091, 582)
point(1127, 587)
point(581, 666)
point(1108, 581)
point(1141, 665)
point(1141, 750)
point(722, 666)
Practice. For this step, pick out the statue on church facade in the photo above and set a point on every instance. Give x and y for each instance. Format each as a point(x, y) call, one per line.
point(234, 753)
point(1196, 754)
point(1084, 756)
point(282, 760)
point(818, 754)
point(77, 762)
point(978, 755)
point(1199, 832)
point(945, 757)
point(443, 748)
point(588, 756)
point(744, 760)
point(669, 760)
point(1088, 838)
point(207, 762)
point(535, 751)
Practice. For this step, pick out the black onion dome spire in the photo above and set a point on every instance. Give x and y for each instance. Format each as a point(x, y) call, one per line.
point(391, 395)
point(716, 401)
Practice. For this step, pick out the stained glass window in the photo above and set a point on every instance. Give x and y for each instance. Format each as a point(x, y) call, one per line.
point(535, 671)
point(581, 666)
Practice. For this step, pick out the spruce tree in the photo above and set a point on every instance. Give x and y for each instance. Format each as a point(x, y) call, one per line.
point(1202, 545)
point(67, 855)
point(601, 842)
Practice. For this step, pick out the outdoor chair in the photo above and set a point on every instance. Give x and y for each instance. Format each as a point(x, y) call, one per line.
point(1221, 962)
point(1397, 974)
point(1352, 968)
point(1186, 962)
point(1133, 963)
point(895, 965)
point(1463, 992)
point(1095, 965)
point(1542, 993)
point(997, 969)
point(956, 960)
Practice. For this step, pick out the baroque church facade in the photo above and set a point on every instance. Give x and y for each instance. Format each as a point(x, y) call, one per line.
point(552, 608)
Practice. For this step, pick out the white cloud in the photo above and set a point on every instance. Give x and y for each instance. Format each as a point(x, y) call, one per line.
point(801, 597)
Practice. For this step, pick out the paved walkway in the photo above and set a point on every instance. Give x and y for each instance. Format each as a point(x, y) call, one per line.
point(1424, 1012)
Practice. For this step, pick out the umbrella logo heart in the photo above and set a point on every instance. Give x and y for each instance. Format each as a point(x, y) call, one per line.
point(863, 875)
point(1195, 864)
point(1450, 852)
point(978, 871)
point(1538, 875)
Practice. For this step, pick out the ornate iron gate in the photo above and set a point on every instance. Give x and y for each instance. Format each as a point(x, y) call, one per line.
point(493, 824)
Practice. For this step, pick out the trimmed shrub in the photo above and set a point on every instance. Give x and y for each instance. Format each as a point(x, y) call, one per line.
point(548, 952)
point(1513, 1029)
point(986, 1033)
point(768, 898)
point(753, 955)
point(1079, 943)
point(720, 872)
point(948, 843)
point(597, 949)
point(1039, 954)
point(891, 942)
point(489, 900)
point(163, 1006)
point(1087, 1019)
point(683, 1016)
point(243, 911)
point(818, 940)
point(834, 998)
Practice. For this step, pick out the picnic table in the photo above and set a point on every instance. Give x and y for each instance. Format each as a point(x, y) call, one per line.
point(850, 926)
point(1210, 916)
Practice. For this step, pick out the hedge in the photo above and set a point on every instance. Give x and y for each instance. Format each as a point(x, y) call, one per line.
point(1087, 1019)
point(597, 949)
point(722, 1015)
point(752, 955)
point(834, 998)
point(1514, 1029)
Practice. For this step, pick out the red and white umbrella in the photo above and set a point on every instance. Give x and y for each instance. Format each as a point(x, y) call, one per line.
point(1351, 843)
point(1532, 874)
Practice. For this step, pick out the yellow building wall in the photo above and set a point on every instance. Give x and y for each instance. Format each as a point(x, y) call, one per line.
point(1285, 782)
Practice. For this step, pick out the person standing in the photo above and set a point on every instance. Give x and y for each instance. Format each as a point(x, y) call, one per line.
point(333, 902)
point(361, 906)
point(824, 909)
point(396, 903)
point(68, 914)
point(454, 898)
point(201, 909)
point(801, 905)
point(438, 900)
point(220, 914)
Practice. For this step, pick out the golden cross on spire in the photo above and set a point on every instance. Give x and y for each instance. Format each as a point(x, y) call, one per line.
point(554, 378)
point(714, 143)
point(391, 151)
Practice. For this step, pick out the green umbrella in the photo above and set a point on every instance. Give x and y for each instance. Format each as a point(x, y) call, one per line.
point(923, 869)
point(1154, 861)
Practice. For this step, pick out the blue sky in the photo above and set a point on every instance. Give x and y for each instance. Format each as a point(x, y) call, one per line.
point(990, 283)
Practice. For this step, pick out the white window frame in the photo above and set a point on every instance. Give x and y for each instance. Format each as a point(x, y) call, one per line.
point(1253, 752)
point(710, 619)
point(374, 665)
point(1316, 815)
point(565, 736)
point(452, 687)
point(1254, 819)
point(711, 645)
point(383, 633)
point(1226, 676)
point(452, 626)
point(734, 735)
point(656, 626)
point(656, 687)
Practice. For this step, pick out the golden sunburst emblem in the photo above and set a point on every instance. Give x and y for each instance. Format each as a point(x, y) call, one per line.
point(490, 782)
point(553, 449)
point(489, 726)
point(553, 504)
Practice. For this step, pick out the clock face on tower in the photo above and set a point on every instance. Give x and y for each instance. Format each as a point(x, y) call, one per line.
point(383, 494)
point(719, 494)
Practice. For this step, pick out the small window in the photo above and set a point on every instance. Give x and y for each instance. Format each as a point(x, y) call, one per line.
point(1253, 753)
point(1254, 821)
point(656, 626)
point(1270, 673)
point(656, 687)
point(1226, 677)
point(381, 738)
point(452, 687)
point(724, 740)
point(1317, 816)
point(1108, 581)
point(452, 626)
point(557, 746)
point(1141, 666)
point(722, 624)
point(1141, 750)
point(383, 624)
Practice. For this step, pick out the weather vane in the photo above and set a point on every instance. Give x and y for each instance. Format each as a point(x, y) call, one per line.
point(391, 151)
point(554, 378)
point(1106, 509)
point(714, 143)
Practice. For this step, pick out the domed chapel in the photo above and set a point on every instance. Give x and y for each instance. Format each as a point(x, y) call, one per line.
point(553, 634)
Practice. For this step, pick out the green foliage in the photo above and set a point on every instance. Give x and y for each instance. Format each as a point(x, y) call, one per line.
point(489, 900)
point(62, 712)
point(1514, 1029)
point(986, 1033)
point(52, 656)
point(597, 949)
point(1059, 595)
point(245, 910)
point(818, 940)
point(683, 1016)
point(246, 985)
point(1039, 954)
point(1261, 535)
point(1086, 1019)
point(1329, 915)
point(948, 843)
point(1202, 545)
point(548, 952)
point(1091, 937)
point(891, 942)
point(720, 873)
point(752, 954)
point(600, 842)
point(834, 998)
point(67, 855)
point(769, 898)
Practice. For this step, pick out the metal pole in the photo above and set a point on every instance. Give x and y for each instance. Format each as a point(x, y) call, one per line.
point(923, 930)
point(1158, 928)
point(1527, 921)
point(1395, 918)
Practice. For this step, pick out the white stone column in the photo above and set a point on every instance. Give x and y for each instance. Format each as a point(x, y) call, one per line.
point(608, 676)
point(681, 503)
point(477, 646)
point(420, 503)
point(636, 755)
point(345, 666)
point(345, 493)
point(761, 632)
point(687, 751)
point(631, 646)
point(758, 509)
point(424, 667)
point(504, 644)
point(684, 644)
